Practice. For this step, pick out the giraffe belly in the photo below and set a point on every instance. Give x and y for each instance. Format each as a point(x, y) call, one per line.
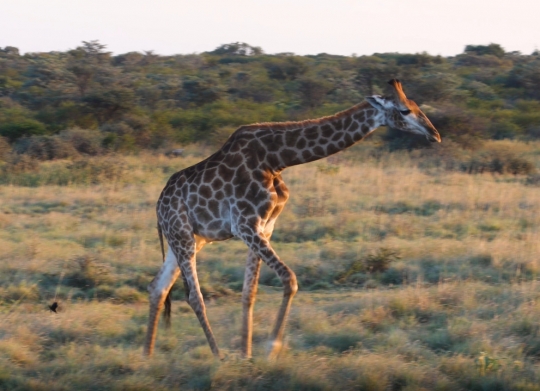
point(215, 230)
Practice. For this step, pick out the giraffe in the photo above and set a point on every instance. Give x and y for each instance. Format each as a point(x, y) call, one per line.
point(239, 192)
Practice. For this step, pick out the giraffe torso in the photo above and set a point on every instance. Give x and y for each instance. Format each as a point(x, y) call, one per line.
point(230, 189)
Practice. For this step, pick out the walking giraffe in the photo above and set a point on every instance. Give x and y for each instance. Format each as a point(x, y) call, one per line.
point(238, 191)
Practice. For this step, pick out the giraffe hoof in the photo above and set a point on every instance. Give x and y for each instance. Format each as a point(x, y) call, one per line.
point(274, 348)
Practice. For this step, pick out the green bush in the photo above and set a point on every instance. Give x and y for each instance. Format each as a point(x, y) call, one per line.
point(22, 128)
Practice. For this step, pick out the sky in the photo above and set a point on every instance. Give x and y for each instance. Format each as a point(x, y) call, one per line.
point(303, 27)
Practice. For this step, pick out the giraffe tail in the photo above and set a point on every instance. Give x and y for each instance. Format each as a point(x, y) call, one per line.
point(167, 311)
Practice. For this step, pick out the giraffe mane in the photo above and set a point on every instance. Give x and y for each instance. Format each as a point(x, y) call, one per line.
point(292, 125)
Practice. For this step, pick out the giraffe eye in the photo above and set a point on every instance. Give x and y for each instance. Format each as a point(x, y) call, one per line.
point(405, 112)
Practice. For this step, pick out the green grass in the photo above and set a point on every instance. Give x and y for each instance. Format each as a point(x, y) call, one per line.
point(411, 278)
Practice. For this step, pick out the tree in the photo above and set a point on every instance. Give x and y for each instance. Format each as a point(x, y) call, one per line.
point(493, 49)
point(527, 77)
point(237, 49)
point(371, 71)
point(86, 62)
point(199, 91)
point(434, 86)
point(288, 68)
point(9, 51)
point(109, 104)
point(313, 91)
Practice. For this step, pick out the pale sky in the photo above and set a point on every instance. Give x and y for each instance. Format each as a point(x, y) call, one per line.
point(300, 26)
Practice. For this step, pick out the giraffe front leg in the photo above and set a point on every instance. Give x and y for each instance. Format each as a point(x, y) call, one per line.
point(290, 287)
point(261, 246)
point(159, 288)
point(249, 292)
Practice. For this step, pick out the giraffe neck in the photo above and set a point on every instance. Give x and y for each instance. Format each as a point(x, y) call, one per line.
point(326, 136)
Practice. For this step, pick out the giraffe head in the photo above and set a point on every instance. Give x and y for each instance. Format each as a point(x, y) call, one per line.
point(402, 113)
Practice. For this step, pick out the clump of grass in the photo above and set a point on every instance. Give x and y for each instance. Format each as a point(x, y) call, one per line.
point(378, 262)
point(17, 353)
point(126, 294)
point(21, 291)
point(215, 291)
point(87, 273)
point(533, 180)
point(328, 169)
point(102, 292)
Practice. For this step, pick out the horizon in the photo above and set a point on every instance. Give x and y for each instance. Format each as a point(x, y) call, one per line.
point(264, 52)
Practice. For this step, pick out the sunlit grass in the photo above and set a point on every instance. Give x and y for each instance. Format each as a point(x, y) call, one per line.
point(464, 287)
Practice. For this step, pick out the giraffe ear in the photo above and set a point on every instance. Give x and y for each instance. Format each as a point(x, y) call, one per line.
point(377, 101)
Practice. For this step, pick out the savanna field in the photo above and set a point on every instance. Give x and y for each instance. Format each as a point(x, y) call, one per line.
point(417, 271)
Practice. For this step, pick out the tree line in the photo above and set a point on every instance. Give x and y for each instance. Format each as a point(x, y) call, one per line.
point(144, 100)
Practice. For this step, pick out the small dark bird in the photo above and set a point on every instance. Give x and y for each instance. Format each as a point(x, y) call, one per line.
point(53, 307)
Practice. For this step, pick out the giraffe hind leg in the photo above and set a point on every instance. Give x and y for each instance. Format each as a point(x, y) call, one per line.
point(186, 261)
point(168, 302)
point(159, 288)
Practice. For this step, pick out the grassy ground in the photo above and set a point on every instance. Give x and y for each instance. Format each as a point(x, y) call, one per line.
point(412, 276)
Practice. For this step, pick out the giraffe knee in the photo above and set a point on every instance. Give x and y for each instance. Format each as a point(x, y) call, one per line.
point(290, 284)
point(157, 296)
point(195, 302)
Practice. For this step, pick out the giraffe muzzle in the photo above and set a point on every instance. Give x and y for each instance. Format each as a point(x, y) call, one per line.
point(434, 136)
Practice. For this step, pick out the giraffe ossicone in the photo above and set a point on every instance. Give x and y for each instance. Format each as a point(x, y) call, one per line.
point(239, 192)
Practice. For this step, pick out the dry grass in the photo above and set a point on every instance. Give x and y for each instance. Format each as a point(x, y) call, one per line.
point(459, 309)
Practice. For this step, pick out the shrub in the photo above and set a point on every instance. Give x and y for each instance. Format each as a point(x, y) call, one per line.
point(26, 127)
point(504, 130)
point(45, 147)
point(380, 261)
point(96, 171)
point(5, 149)
point(85, 141)
point(460, 126)
point(392, 276)
point(499, 162)
point(533, 180)
point(17, 164)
